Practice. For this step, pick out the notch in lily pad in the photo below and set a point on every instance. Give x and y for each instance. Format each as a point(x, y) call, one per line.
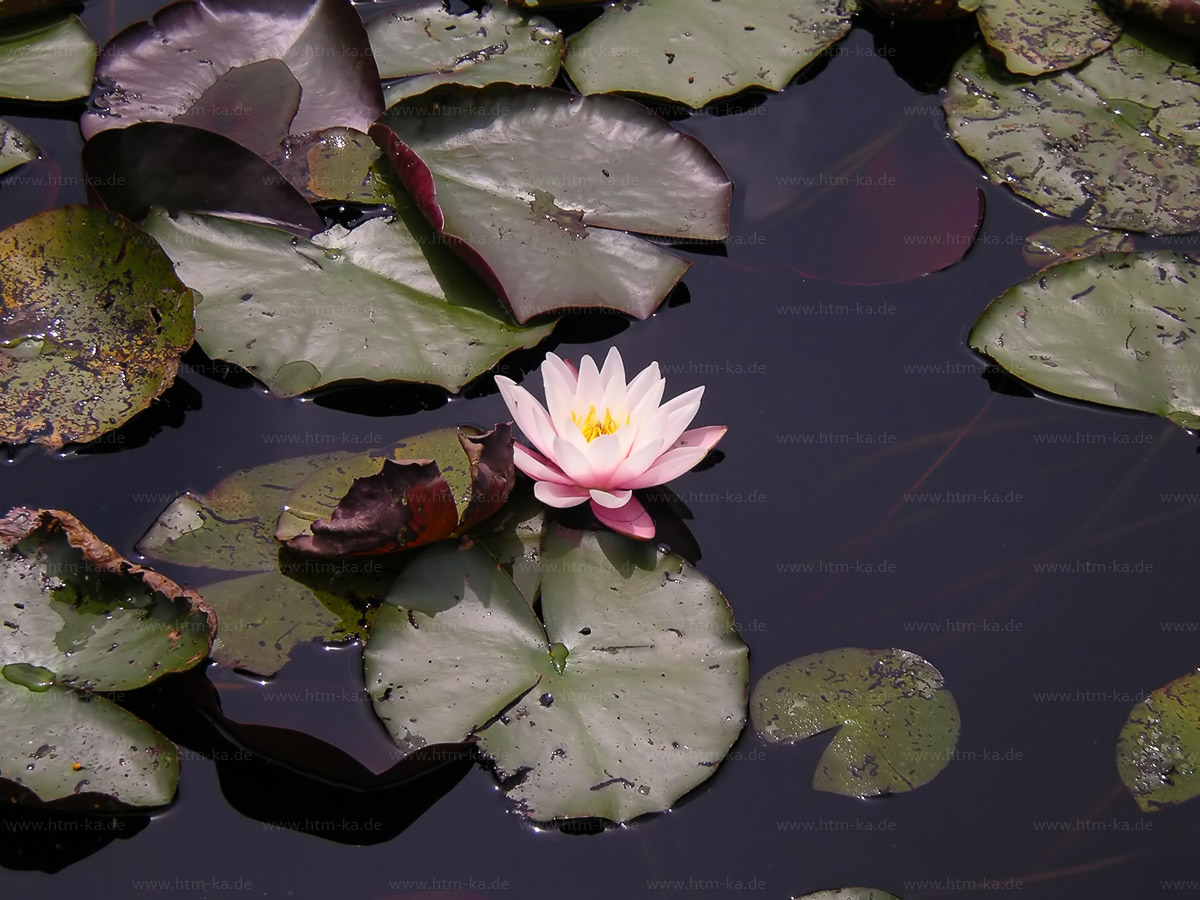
point(626, 694)
point(897, 724)
point(454, 479)
point(79, 618)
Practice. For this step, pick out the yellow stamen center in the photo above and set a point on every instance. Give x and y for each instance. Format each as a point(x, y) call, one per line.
point(592, 426)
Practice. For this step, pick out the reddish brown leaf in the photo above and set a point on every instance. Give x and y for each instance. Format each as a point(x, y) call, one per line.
point(492, 472)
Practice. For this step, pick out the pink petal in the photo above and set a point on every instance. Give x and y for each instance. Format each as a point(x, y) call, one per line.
point(604, 455)
point(678, 414)
point(688, 450)
point(612, 376)
point(531, 417)
point(642, 383)
point(559, 382)
point(591, 389)
point(537, 466)
point(631, 519)
point(559, 495)
point(573, 461)
point(635, 464)
point(610, 499)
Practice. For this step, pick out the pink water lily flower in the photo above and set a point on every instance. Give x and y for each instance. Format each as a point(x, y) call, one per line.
point(598, 439)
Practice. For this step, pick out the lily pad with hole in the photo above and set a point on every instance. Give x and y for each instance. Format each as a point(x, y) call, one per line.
point(46, 59)
point(93, 323)
point(427, 488)
point(698, 52)
point(627, 693)
point(1039, 36)
point(897, 724)
point(376, 303)
point(1118, 329)
point(78, 618)
point(1113, 139)
point(419, 48)
point(15, 147)
point(1158, 752)
point(537, 189)
point(190, 53)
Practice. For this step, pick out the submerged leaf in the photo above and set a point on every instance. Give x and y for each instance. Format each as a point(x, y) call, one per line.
point(1118, 329)
point(93, 323)
point(850, 893)
point(1038, 36)
point(536, 189)
point(375, 303)
point(629, 696)
point(15, 147)
point(1114, 138)
point(1158, 753)
point(897, 725)
point(46, 60)
point(429, 45)
point(697, 52)
point(1062, 243)
point(161, 69)
point(1180, 16)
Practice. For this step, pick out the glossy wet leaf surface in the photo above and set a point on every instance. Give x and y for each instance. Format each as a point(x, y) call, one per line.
point(92, 325)
point(375, 303)
point(1062, 243)
point(427, 46)
point(897, 725)
point(46, 59)
point(434, 486)
point(66, 745)
point(15, 147)
point(537, 189)
point(698, 52)
point(1117, 329)
point(1038, 36)
point(1112, 139)
point(628, 697)
point(1158, 752)
point(159, 70)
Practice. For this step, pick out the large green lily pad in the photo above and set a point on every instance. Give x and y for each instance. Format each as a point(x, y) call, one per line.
point(162, 69)
point(1113, 139)
point(427, 488)
point(75, 749)
point(696, 52)
point(373, 303)
point(93, 322)
point(628, 696)
point(15, 147)
point(536, 188)
point(428, 45)
point(897, 724)
point(1039, 36)
point(1158, 753)
point(46, 60)
point(1117, 329)
point(77, 618)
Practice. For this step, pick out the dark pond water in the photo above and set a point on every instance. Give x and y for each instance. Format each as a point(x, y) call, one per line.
point(1042, 562)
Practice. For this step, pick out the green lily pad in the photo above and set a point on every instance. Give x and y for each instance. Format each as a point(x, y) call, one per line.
point(1113, 139)
point(85, 616)
point(1062, 243)
point(629, 695)
point(1046, 35)
point(71, 748)
point(232, 526)
point(265, 616)
point(344, 164)
point(78, 617)
point(187, 56)
point(46, 60)
point(850, 893)
point(1158, 753)
point(429, 45)
point(427, 488)
point(514, 538)
point(698, 52)
point(897, 724)
point(536, 188)
point(93, 322)
point(1117, 329)
point(15, 147)
point(375, 303)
